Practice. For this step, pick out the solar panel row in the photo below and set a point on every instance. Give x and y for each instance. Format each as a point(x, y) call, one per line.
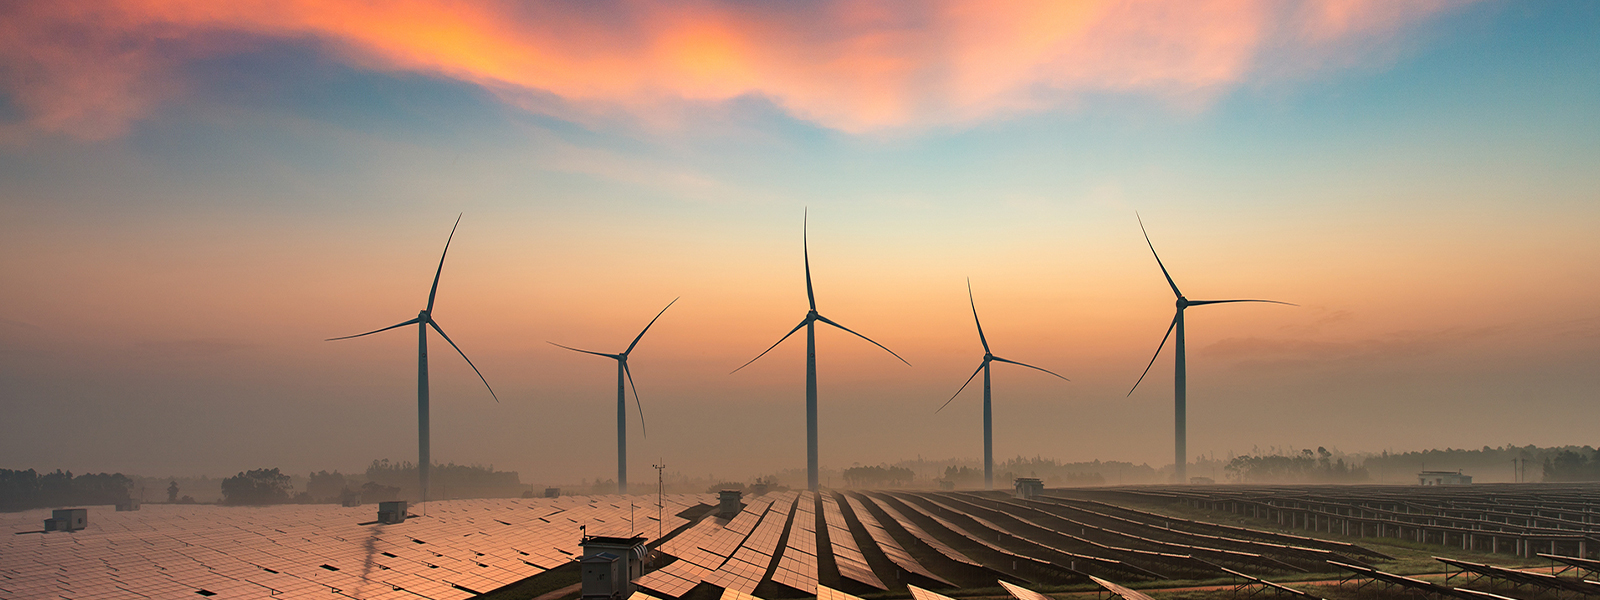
point(847, 554)
point(917, 531)
point(885, 542)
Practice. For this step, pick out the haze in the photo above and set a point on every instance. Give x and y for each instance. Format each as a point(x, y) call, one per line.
point(197, 195)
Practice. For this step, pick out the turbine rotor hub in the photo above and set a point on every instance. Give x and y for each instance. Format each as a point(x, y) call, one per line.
point(1182, 302)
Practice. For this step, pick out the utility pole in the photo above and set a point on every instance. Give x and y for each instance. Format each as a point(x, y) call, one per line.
point(660, 488)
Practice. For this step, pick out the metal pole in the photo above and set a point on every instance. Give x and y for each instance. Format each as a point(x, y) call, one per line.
point(660, 490)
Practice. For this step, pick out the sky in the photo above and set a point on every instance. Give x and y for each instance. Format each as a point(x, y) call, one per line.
point(198, 194)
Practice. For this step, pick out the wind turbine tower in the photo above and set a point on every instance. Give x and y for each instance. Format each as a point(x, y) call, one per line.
point(1180, 377)
point(809, 323)
point(988, 413)
point(622, 399)
point(423, 321)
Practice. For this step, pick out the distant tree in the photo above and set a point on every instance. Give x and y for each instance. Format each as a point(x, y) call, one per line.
point(324, 486)
point(373, 491)
point(259, 486)
point(879, 476)
point(172, 492)
point(1570, 465)
point(22, 490)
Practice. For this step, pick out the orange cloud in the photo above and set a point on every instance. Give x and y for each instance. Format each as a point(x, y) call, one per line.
point(89, 68)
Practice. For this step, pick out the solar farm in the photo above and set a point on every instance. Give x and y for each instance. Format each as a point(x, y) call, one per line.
point(1462, 542)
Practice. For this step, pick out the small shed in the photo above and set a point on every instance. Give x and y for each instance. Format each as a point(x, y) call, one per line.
point(1443, 478)
point(67, 519)
point(729, 503)
point(1028, 487)
point(619, 561)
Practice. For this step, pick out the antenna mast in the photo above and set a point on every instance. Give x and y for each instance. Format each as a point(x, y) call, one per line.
point(660, 468)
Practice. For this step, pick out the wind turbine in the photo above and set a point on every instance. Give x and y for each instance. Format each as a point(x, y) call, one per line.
point(810, 324)
point(988, 417)
point(622, 400)
point(423, 321)
point(1180, 378)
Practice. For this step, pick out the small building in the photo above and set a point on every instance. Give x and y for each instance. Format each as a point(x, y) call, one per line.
point(1028, 487)
point(1443, 478)
point(67, 519)
point(610, 564)
point(729, 503)
point(392, 512)
point(128, 504)
point(552, 492)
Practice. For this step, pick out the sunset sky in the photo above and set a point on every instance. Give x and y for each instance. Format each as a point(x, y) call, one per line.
point(198, 193)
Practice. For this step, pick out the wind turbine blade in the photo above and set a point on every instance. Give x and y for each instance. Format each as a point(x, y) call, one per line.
point(998, 359)
point(847, 329)
point(803, 323)
point(435, 291)
point(647, 327)
point(612, 356)
point(1158, 353)
point(805, 248)
point(963, 386)
point(1200, 302)
point(436, 327)
point(636, 402)
point(982, 339)
point(1164, 273)
point(411, 322)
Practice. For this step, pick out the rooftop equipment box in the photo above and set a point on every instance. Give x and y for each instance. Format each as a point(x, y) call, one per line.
point(728, 503)
point(392, 512)
point(1028, 487)
point(67, 519)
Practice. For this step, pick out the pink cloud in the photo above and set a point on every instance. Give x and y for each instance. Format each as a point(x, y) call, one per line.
point(88, 69)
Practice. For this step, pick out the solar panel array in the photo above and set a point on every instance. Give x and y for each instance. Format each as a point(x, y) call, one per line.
point(798, 567)
point(847, 554)
point(460, 548)
point(1522, 519)
point(935, 539)
point(892, 549)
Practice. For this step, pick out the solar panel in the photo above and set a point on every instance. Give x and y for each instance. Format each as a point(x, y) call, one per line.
point(846, 554)
point(828, 593)
point(919, 533)
point(1123, 592)
point(887, 543)
point(922, 594)
point(798, 567)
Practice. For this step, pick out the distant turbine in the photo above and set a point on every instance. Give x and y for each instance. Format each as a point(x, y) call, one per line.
point(988, 419)
point(1180, 375)
point(622, 400)
point(809, 323)
point(423, 321)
